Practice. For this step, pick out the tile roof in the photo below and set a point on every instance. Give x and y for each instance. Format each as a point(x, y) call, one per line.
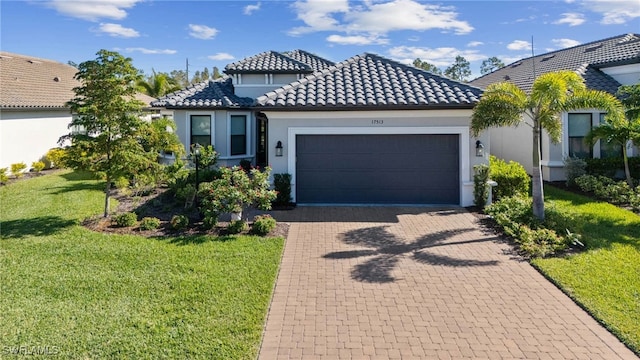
point(367, 81)
point(269, 62)
point(29, 82)
point(208, 94)
point(316, 62)
point(586, 60)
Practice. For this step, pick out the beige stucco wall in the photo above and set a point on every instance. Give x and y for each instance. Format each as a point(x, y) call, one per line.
point(26, 136)
point(284, 125)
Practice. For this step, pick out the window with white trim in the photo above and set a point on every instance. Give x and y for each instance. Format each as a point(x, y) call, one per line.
point(609, 150)
point(238, 134)
point(579, 127)
point(200, 130)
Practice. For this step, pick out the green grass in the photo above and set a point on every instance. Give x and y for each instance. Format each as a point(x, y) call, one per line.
point(605, 278)
point(91, 296)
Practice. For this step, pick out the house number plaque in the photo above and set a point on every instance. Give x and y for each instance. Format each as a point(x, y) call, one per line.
point(377, 122)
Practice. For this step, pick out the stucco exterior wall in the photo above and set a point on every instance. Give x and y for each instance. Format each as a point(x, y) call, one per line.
point(26, 136)
point(283, 126)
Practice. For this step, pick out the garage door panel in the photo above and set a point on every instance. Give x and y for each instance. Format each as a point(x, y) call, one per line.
point(399, 169)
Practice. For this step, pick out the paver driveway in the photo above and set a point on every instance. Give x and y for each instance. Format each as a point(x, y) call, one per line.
point(417, 283)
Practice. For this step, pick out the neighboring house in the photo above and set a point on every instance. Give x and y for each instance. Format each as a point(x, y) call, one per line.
point(604, 64)
point(365, 130)
point(33, 114)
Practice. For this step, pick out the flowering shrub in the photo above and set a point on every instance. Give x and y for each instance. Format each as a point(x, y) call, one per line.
point(235, 191)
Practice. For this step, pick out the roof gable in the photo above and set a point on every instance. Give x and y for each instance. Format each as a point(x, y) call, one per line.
point(208, 94)
point(29, 82)
point(268, 62)
point(314, 61)
point(369, 80)
point(586, 60)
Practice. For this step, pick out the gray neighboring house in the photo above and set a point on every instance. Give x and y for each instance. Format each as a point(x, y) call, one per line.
point(604, 64)
point(365, 130)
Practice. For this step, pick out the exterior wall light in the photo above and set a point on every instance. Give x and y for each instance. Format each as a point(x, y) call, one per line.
point(279, 148)
point(479, 149)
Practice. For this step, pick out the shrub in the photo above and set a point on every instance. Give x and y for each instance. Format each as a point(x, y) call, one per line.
point(126, 219)
point(540, 242)
point(3, 175)
point(282, 185)
point(56, 157)
point(245, 165)
point(237, 226)
point(210, 222)
point(615, 192)
point(263, 224)
point(179, 222)
point(511, 177)
point(612, 167)
point(37, 166)
point(574, 168)
point(149, 223)
point(17, 169)
point(480, 186)
point(186, 193)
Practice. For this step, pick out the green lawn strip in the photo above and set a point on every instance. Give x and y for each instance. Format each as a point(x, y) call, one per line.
point(605, 278)
point(95, 295)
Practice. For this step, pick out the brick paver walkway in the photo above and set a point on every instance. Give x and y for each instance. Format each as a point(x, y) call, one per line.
point(417, 283)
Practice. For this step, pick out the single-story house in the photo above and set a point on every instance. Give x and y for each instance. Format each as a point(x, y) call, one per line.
point(365, 130)
point(604, 64)
point(33, 114)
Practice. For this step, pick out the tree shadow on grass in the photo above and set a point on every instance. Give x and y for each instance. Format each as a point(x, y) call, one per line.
point(77, 187)
point(385, 250)
point(78, 176)
point(183, 240)
point(40, 226)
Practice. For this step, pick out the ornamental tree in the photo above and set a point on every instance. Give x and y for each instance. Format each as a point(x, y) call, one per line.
point(106, 123)
point(504, 104)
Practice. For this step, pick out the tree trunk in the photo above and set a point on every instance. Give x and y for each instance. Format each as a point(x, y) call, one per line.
point(627, 172)
point(537, 190)
point(107, 193)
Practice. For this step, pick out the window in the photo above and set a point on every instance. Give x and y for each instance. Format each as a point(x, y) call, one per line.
point(579, 127)
point(238, 133)
point(609, 150)
point(201, 130)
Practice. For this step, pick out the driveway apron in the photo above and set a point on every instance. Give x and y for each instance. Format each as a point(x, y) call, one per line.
point(417, 283)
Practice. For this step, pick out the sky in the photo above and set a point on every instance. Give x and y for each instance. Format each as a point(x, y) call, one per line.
point(164, 35)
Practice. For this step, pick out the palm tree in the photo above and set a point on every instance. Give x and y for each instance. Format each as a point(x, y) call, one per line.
point(504, 104)
point(157, 85)
point(621, 131)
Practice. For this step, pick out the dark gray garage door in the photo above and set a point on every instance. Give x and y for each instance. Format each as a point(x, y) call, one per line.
point(378, 169)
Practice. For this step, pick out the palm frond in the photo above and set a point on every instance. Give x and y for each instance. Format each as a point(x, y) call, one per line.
point(502, 104)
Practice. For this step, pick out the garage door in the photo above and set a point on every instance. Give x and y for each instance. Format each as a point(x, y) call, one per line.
point(378, 169)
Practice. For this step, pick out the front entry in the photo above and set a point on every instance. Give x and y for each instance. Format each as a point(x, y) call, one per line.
point(261, 140)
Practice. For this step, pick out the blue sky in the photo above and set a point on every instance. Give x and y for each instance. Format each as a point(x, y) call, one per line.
point(162, 34)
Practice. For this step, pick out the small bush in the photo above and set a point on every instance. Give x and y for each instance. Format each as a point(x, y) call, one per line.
point(37, 166)
point(149, 223)
point(511, 177)
point(282, 185)
point(480, 186)
point(56, 157)
point(179, 222)
point(263, 224)
point(126, 219)
point(210, 222)
point(615, 192)
point(540, 242)
point(3, 175)
point(17, 169)
point(186, 192)
point(237, 226)
point(574, 168)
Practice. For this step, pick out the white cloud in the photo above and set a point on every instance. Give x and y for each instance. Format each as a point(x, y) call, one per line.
point(250, 9)
point(118, 30)
point(614, 11)
point(318, 15)
point(519, 45)
point(442, 57)
point(202, 31)
point(150, 51)
point(565, 43)
point(475, 44)
point(374, 18)
point(356, 40)
point(571, 19)
point(221, 56)
point(93, 10)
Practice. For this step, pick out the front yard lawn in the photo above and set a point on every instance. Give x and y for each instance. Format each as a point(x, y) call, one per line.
point(82, 294)
point(605, 278)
